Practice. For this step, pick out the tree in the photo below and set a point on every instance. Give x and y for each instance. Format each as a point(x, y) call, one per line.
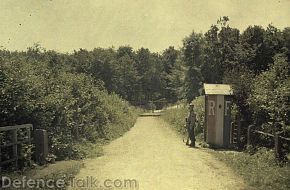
point(172, 74)
point(211, 68)
point(193, 57)
point(269, 99)
point(125, 78)
point(286, 36)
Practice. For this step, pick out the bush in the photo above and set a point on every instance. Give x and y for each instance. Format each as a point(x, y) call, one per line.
point(199, 110)
point(40, 88)
point(259, 170)
point(269, 99)
point(176, 118)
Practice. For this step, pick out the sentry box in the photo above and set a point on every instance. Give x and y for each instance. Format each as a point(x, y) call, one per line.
point(218, 114)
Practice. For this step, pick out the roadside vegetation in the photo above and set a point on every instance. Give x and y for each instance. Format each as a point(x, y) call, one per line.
point(62, 170)
point(41, 88)
point(175, 116)
point(260, 170)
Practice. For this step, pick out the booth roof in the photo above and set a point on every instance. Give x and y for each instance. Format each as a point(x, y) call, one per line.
point(218, 89)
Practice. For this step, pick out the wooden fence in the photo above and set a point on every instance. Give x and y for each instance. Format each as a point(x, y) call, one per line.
point(15, 140)
point(277, 140)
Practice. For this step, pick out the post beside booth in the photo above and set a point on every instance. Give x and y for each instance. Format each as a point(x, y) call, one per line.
point(218, 114)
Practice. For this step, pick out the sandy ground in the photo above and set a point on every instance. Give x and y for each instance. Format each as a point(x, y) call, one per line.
point(153, 155)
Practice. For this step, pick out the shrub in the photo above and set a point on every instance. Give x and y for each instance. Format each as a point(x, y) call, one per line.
point(39, 88)
point(176, 118)
point(199, 109)
point(259, 170)
point(269, 99)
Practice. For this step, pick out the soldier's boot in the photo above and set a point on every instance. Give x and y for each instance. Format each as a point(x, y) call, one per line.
point(187, 142)
point(192, 144)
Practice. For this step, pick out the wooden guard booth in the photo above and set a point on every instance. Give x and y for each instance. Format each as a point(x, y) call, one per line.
point(218, 114)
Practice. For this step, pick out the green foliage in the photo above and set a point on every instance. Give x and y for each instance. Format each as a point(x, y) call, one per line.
point(200, 115)
point(176, 118)
point(41, 88)
point(241, 80)
point(65, 170)
point(137, 76)
point(193, 58)
point(244, 60)
point(270, 95)
point(259, 171)
point(173, 75)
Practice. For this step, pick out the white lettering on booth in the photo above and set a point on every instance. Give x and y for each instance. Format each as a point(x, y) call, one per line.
point(228, 103)
point(211, 107)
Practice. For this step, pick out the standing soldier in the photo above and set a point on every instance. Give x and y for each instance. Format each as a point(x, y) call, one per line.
point(190, 125)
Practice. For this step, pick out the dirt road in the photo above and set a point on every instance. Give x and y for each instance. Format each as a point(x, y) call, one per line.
point(152, 154)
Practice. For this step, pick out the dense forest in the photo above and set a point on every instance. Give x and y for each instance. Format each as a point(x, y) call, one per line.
point(84, 96)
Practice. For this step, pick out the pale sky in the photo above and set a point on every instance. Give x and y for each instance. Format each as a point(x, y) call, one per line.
point(65, 25)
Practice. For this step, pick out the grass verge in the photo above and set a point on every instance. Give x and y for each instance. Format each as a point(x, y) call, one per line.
point(64, 170)
point(259, 170)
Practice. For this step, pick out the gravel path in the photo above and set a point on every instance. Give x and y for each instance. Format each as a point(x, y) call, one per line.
point(153, 155)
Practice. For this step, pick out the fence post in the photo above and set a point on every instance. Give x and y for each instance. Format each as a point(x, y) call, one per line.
point(41, 146)
point(249, 135)
point(239, 132)
point(204, 132)
point(232, 133)
point(278, 148)
point(15, 147)
point(0, 160)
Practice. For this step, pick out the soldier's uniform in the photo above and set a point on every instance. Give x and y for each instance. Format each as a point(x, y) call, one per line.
point(190, 124)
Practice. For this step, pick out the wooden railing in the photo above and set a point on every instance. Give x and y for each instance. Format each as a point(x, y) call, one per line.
point(14, 142)
point(277, 140)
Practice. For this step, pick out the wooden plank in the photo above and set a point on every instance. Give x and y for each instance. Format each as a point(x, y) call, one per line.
point(232, 132)
point(263, 133)
point(8, 128)
point(41, 146)
point(271, 135)
point(7, 145)
point(277, 147)
point(219, 138)
point(284, 138)
point(211, 119)
point(15, 146)
point(205, 119)
point(0, 161)
point(227, 121)
point(8, 161)
point(151, 114)
point(250, 135)
point(18, 142)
